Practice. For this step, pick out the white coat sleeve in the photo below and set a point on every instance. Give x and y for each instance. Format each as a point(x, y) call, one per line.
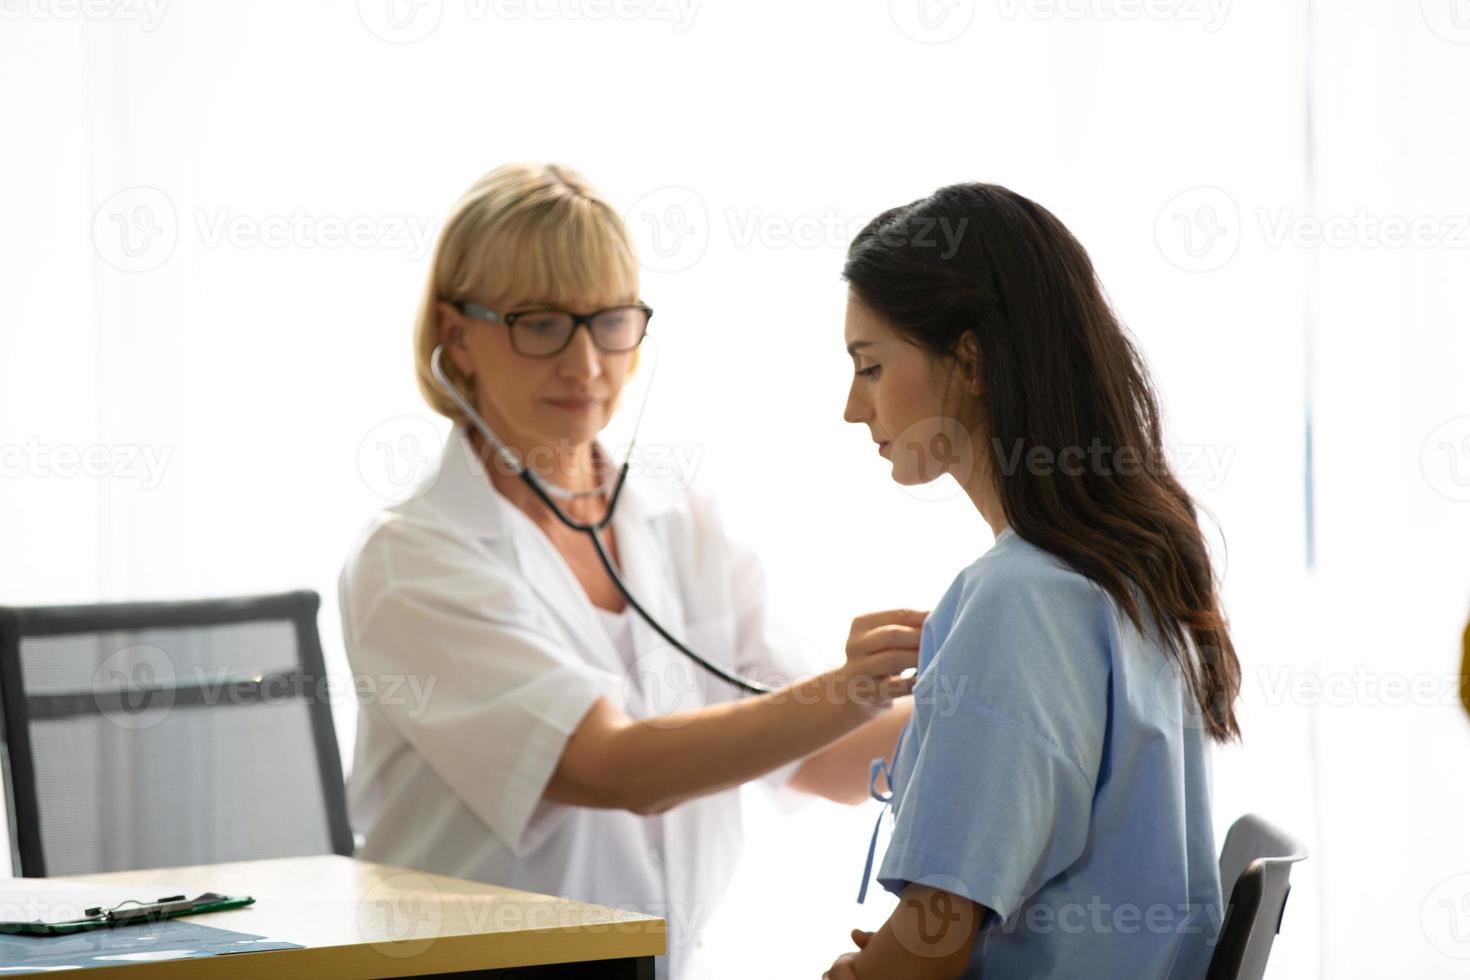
point(501, 697)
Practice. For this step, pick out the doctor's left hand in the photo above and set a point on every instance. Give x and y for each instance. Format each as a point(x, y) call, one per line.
point(842, 968)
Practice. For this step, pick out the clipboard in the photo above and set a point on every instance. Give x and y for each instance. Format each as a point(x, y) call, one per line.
point(128, 912)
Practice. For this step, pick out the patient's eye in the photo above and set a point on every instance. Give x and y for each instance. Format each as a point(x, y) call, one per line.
point(869, 372)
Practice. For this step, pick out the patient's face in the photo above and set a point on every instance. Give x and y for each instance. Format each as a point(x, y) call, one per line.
point(898, 392)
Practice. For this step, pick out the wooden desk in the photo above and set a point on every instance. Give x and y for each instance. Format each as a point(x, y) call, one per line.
point(361, 920)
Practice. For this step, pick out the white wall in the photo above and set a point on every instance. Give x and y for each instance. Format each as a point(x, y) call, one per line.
point(254, 365)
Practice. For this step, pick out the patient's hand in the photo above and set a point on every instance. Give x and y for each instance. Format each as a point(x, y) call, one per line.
point(929, 936)
point(842, 968)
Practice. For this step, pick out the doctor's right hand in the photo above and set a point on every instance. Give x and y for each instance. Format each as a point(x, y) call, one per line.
point(649, 764)
point(880, 647)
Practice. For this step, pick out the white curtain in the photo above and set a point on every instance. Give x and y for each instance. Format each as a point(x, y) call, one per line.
point(215, 222)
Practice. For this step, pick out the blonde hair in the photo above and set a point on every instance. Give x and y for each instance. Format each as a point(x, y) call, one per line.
point(524, 231)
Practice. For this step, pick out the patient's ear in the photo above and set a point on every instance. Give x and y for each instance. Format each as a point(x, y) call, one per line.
point(967, 353)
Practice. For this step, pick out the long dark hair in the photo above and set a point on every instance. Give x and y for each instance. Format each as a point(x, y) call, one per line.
point(1058, 370)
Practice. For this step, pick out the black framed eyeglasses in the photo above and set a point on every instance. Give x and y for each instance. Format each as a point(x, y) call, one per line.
point(546, 333)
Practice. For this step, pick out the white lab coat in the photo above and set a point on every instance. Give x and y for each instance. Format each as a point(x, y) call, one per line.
point(458, 591)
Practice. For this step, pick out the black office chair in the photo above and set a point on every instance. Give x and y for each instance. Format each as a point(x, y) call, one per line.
point(1255, 870)
point(155, 734)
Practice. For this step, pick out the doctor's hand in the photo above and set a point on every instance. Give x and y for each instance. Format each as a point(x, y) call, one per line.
point(880, 647)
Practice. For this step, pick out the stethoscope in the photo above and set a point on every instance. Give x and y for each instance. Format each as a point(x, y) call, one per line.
point(547, 493)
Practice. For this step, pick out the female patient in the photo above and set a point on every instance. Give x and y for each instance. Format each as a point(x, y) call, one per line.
point(1052, 810)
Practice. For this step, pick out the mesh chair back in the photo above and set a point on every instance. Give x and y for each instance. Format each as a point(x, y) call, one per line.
point(144, 735)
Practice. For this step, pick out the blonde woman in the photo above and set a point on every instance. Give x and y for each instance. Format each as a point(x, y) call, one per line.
point(561, 746)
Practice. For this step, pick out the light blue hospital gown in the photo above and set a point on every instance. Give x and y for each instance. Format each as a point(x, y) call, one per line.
point(1056, 772)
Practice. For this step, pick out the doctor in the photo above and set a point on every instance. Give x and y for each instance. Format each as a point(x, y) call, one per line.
point(560, 745)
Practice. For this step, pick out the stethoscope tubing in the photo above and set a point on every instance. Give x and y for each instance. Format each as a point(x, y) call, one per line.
point(591, 529)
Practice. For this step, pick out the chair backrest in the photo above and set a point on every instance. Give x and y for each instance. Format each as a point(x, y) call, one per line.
point(1255, 871)
point(156, 734)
